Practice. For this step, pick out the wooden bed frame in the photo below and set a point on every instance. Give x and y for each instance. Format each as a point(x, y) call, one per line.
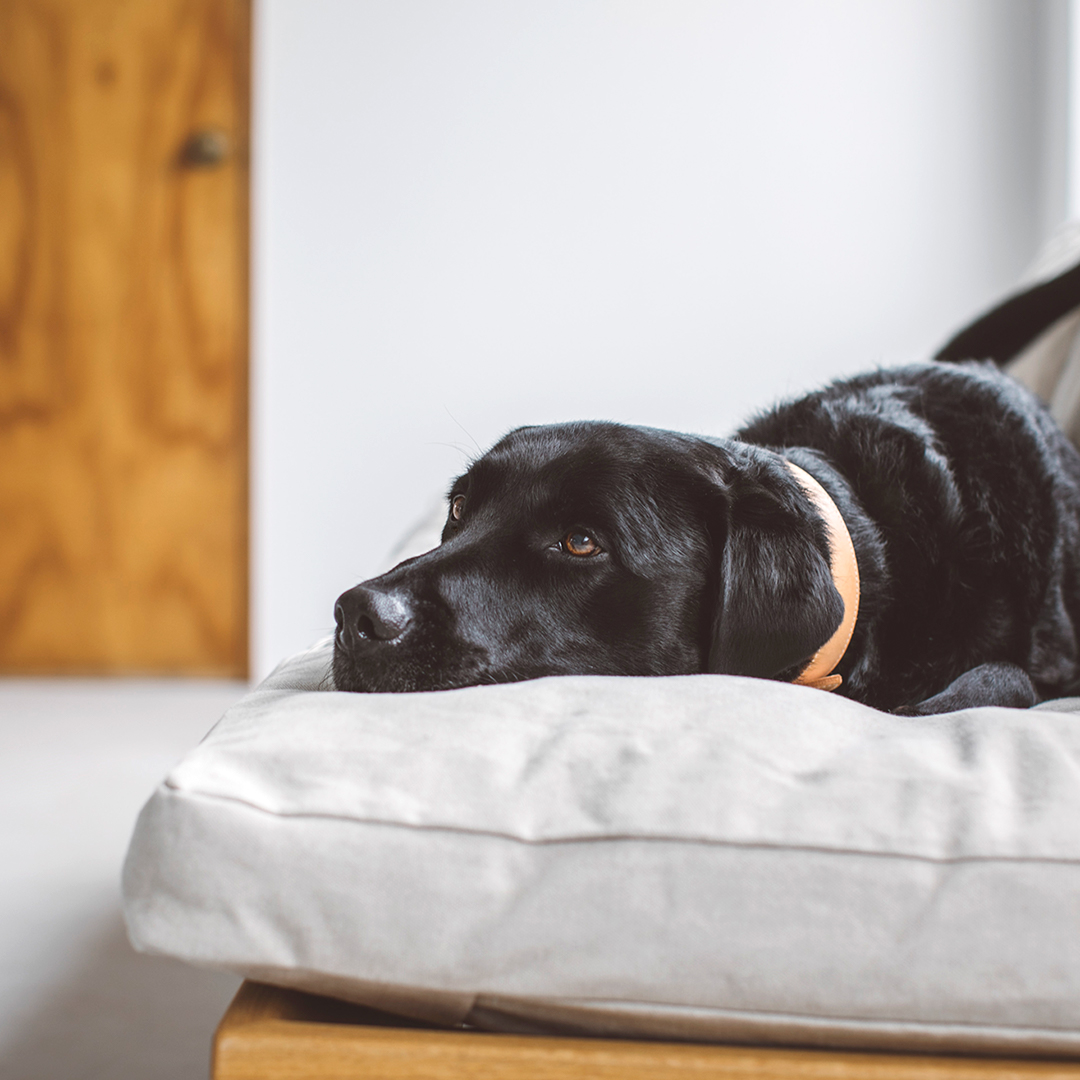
point(272, 1034)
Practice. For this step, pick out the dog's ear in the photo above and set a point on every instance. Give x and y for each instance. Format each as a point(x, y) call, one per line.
point(777, 603)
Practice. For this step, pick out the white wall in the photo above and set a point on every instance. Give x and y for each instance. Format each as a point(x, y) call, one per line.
point(478, 214)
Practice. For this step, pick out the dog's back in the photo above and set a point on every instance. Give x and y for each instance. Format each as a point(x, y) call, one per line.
point(975, 496)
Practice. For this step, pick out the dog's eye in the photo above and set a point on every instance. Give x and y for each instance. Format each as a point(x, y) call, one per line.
point(580, 543)
point(457, 507)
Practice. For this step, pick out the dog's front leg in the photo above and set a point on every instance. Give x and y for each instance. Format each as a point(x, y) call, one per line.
point(998, 683)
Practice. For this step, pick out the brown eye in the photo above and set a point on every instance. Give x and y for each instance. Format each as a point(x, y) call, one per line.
point(580, 543)
point(457, 507)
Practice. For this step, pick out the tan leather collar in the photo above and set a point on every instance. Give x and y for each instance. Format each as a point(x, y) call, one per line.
point(845, 572)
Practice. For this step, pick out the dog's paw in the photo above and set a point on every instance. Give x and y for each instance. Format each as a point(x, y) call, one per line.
point(999, 683)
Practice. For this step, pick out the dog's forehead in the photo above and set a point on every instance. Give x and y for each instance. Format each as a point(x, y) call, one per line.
point(583, 442)
point(555, 450)
point(582, 461)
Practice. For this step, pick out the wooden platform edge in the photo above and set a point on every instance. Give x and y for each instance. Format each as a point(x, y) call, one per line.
point(269, 1033)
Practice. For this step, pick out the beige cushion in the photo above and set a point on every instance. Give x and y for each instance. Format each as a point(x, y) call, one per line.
point(704, 857)
point(1050, 365)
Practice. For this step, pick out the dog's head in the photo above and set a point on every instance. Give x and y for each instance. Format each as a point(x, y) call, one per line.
point(595, 548)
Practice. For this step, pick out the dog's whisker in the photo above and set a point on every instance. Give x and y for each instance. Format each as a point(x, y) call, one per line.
point(479, 448)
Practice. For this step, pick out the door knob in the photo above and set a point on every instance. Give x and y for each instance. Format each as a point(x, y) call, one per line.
point(204, 149)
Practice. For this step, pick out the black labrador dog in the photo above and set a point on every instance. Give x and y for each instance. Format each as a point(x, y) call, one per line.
point(597, 548)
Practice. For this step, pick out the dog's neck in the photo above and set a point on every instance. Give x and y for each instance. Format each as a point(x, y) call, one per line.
point(820, 671)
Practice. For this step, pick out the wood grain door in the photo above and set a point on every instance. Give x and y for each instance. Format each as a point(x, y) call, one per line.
point(123, 335)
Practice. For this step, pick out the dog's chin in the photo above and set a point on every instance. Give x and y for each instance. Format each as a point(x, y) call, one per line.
point(398, 678)
point(367, 679)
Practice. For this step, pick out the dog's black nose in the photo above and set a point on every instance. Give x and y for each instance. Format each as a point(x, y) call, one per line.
point(370, 614)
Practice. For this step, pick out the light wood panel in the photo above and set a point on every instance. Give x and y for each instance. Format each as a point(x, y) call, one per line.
point(274, 1034)
point(123, 336)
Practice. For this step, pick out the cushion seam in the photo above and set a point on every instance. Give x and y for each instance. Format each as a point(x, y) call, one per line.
point(701, 841)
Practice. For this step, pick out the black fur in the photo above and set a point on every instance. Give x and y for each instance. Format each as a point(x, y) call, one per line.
point(961, 495)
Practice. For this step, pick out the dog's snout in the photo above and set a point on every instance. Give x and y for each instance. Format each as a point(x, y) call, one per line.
point(368, 614)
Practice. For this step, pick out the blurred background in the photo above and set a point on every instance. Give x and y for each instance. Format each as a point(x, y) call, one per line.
point(271, 273)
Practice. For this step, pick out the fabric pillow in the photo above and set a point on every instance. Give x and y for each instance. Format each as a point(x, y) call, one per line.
point(703, 857)
point(1049, 365)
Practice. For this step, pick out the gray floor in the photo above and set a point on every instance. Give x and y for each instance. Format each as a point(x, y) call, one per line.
point(78, 758)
